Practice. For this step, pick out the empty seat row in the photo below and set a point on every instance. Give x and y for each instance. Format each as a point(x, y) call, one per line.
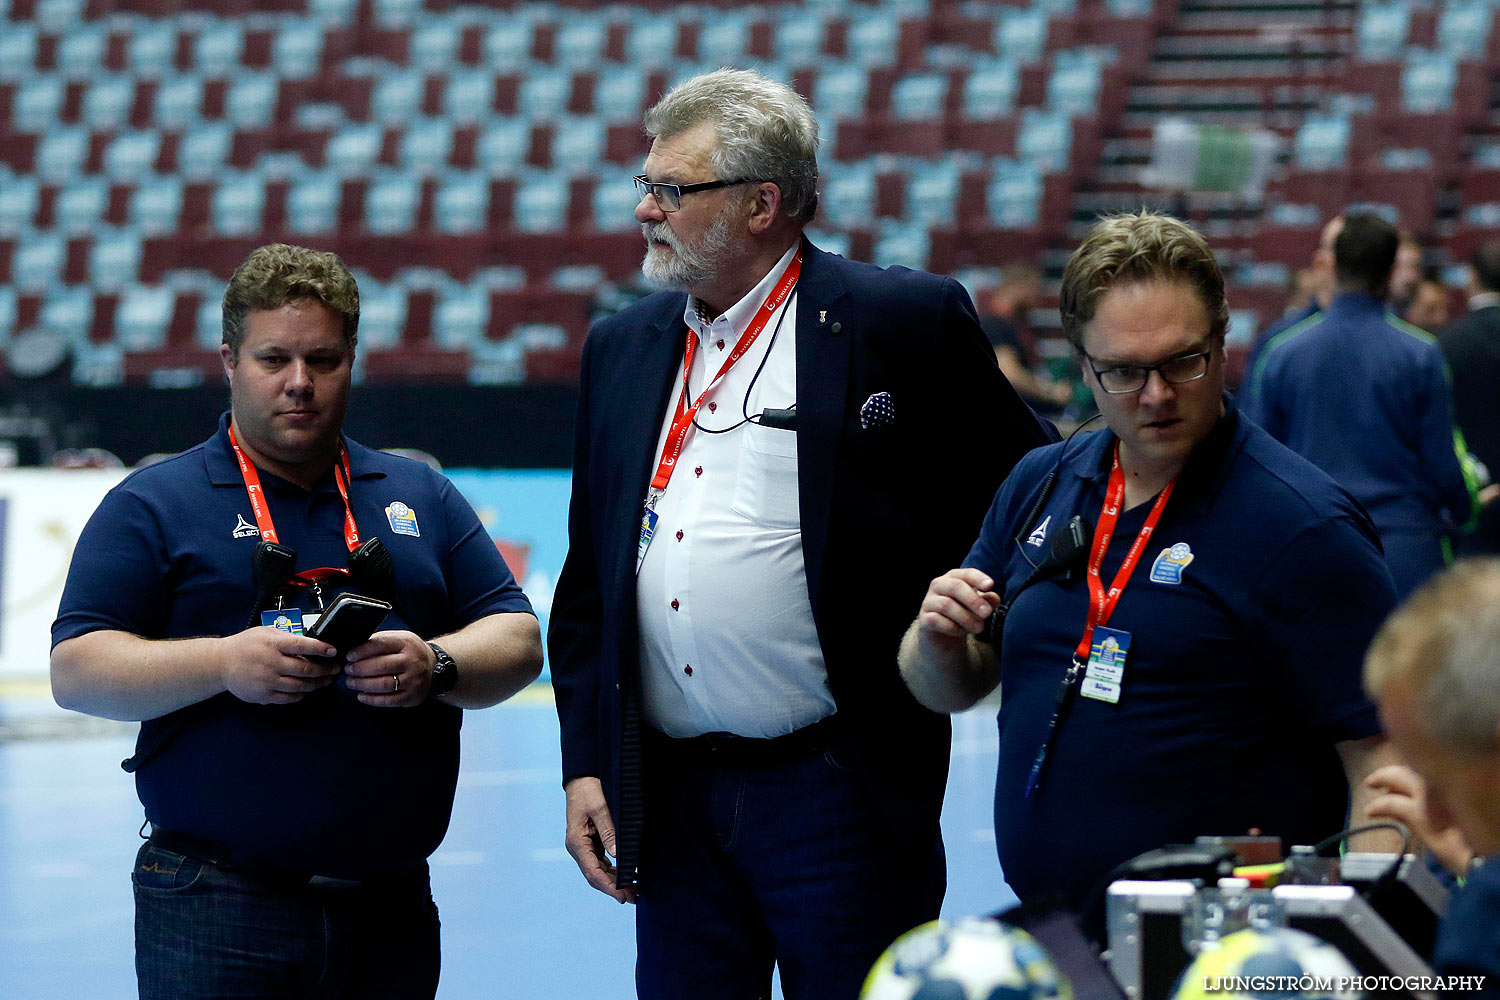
point(577, 144)
point(985, 88)
point(501, 147)
point(257, 100)
point(1386, 29)
point(523, 39)
point(244, 206)
point(158, 319)
point(461, 202)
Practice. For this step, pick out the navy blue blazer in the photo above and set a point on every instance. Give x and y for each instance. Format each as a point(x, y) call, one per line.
point(883, 511)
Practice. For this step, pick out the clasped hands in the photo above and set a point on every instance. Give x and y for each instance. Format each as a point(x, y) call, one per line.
point(268, 666)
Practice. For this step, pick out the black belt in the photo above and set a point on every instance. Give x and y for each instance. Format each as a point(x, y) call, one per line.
point(753, 750)
point(224, 858)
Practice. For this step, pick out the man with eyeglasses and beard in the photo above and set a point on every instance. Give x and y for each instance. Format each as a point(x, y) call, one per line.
point(751, 511)
point(1214, 687)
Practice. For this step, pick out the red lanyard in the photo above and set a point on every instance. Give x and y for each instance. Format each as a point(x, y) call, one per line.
point(683, 418)
point(341, 475)
point(1101, 602)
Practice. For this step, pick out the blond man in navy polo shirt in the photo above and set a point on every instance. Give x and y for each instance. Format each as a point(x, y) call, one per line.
point(293, 794)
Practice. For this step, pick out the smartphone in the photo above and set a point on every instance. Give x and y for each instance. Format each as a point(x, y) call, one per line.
point(349, 621)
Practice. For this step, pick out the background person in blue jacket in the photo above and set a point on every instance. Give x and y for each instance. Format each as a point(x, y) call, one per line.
point(1366, 398)
point(1472, 346)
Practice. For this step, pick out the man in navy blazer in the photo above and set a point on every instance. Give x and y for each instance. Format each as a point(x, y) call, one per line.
point(772, 460)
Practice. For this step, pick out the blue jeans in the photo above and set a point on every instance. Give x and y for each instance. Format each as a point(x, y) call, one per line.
point(749, 865)
point(202, 931)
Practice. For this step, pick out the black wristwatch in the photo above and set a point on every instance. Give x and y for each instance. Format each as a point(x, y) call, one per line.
point(444, 672)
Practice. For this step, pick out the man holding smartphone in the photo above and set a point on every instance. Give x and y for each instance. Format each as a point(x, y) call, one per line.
point(293, 794)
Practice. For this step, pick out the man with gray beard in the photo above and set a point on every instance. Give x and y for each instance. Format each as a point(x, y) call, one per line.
point(763, 483)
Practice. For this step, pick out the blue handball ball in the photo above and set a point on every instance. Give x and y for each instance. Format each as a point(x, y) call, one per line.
point(974, 959)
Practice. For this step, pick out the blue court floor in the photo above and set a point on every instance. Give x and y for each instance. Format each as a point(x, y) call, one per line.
point(518, 919)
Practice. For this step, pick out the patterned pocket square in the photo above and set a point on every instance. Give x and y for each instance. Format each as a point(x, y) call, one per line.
point(878, 411)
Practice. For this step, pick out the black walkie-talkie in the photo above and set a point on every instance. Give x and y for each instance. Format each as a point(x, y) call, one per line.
point(1065, 552)
point(271, 566)
point(373, 569)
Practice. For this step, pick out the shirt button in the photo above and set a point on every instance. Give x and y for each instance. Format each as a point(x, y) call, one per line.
point(712, 407)
point(698, 471)
point(721, 345)
point(679, 535)
point(688, 670)
point(674, 604)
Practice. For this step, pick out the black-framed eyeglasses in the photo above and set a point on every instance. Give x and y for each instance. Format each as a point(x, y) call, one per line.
point(669, 196)
point(1132, 378)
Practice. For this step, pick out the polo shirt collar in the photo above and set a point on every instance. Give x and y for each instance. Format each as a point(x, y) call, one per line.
point(1209, 465)
point(224, 469)
point(1201, 478)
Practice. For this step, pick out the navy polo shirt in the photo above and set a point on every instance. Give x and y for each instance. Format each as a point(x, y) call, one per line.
point(1249, 614)
point(326, 785)
point(1366, 398)
point(1468, 939)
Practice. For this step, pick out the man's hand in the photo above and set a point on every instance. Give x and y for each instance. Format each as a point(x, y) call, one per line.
point(958, 604)
point(942, 668)
point(391, 669)
point(590, 837)
point(266, 666)
point(1403, 797)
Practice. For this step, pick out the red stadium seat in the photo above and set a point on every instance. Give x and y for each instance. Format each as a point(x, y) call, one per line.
point(1329, 190)
point(553, 366)
point(1479, 185)
point(416, 364)
point(991, 138)
point(1413, 194)
point(882, 133)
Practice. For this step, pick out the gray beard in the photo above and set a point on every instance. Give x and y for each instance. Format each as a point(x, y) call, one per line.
point(689, 266)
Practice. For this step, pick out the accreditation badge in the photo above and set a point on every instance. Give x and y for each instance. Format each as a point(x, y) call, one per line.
point(285, 619)
point(649, 518)
point(1106, 669)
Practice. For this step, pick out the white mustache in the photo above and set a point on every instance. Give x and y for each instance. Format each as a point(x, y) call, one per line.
point(659, 232)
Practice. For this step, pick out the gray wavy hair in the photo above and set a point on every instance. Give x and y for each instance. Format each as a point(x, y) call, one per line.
point(766, 131)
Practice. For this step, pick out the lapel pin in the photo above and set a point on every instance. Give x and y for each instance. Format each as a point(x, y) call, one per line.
point(822, 315)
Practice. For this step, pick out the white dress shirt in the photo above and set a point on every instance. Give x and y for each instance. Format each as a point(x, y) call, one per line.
point(727, 640)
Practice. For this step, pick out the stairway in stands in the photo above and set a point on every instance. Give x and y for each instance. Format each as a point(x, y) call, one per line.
point(1265, 63)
